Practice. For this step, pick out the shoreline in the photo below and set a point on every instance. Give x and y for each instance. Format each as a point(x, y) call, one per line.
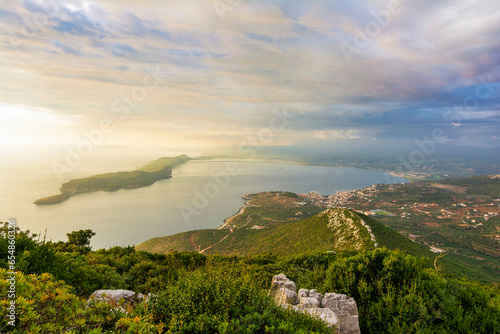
point(286, 162)
point(240, 211)
point(228, 220)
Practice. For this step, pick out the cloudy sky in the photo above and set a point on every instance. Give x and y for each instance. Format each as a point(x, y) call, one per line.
point(207, 73)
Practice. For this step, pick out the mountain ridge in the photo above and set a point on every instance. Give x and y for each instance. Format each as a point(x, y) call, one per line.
point(332, 230)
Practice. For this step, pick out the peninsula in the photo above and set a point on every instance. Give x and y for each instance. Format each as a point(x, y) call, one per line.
point(147, 175)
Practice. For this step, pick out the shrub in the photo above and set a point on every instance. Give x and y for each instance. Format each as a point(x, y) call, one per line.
point(220, 301)
point(395, 293)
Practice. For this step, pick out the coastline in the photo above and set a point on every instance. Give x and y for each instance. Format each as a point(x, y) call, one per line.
point(302, 163)
point(241, 211)
point(230, 219)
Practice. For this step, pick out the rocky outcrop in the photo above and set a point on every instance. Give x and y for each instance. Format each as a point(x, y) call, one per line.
point(283, 291)
point(338, 311)
point(345, 309)
point(121, 300)
point(349, 230)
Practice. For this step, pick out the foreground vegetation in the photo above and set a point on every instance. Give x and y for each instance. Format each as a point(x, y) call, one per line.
point(196, 293)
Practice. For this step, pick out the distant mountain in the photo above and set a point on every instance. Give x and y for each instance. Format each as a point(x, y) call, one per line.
point(333, 230)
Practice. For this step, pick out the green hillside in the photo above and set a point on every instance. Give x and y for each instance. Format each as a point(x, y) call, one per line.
point(333, 230)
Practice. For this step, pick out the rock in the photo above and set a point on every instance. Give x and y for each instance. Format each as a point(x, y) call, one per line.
point(308, 302)
point(286, 296)
point(346, 311)
point(315, 294)
point(303, 293)
point(283, 290)
point(280, 281)
point(119, 309)
point(324, 314)
point(338, 311)
point(115, 296)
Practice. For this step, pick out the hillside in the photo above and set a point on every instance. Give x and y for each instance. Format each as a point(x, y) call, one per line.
point(196, 293)
point(156, 170)
point(332, 230)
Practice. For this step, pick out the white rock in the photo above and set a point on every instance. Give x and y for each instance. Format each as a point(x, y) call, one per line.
point(114, 295)
point(308, 302)
point(303, 293)
point(286, 296)
point(324, 314)
point(315, 294)
point(346, 311)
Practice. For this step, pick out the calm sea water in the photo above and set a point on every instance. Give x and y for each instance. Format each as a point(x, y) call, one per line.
point(201, 194)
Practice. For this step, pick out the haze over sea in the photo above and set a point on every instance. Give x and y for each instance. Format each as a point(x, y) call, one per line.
point(128, 217)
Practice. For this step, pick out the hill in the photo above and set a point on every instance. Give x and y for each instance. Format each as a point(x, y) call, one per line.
point(331, 230)
point(156, 170)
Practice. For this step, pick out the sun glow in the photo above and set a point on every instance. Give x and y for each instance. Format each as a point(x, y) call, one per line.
point(26, 125)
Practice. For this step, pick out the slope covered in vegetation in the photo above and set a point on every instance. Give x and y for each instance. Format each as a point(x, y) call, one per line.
point(197, 293)
point(334, 230)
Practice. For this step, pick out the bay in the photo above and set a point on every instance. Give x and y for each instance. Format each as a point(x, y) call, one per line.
point(200, 195)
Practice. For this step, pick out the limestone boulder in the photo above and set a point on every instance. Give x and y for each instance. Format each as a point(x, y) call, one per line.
point(308, 302)
point(117, 295)
point(281, 281)
point(303, 293)
point(283, 291)
point(286, 296)
point(315, 294)
point(346, 311)
point(324, 314)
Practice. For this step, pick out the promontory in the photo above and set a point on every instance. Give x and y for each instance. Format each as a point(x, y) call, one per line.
point(147, 175)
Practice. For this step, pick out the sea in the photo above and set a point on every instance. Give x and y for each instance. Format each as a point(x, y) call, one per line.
point(200, 194)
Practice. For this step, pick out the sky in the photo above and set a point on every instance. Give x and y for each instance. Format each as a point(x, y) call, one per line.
point(195, 74)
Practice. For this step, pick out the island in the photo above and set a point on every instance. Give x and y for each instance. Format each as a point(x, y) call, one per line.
point(159, 169)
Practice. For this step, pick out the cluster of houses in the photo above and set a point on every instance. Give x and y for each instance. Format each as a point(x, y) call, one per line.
point(339, 199)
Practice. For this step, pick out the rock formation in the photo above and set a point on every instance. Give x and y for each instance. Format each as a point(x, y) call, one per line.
point(337, 310)
point(121, 300)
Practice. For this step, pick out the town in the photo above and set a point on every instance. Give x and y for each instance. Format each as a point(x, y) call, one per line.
point(431, 213)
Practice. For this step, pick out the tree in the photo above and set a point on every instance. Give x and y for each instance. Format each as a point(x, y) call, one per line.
point(80, 238)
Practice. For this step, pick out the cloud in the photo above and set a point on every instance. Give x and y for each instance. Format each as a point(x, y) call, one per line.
point(338, 134)
point(123, 50)
point(78, 57)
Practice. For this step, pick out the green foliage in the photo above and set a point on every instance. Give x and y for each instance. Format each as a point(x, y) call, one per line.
point(38, 257)
point(24, 240)
point(395, 293)
point(80, 238)
point(220, 301)
point(73, 268)
point(44, 305)
point(196, 293)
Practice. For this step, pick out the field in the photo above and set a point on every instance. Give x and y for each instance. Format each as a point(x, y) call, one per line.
point(458, 217)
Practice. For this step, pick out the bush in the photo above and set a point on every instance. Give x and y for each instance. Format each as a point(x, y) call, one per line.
point(73, 268)
point(395, 293)
point(220, 301)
